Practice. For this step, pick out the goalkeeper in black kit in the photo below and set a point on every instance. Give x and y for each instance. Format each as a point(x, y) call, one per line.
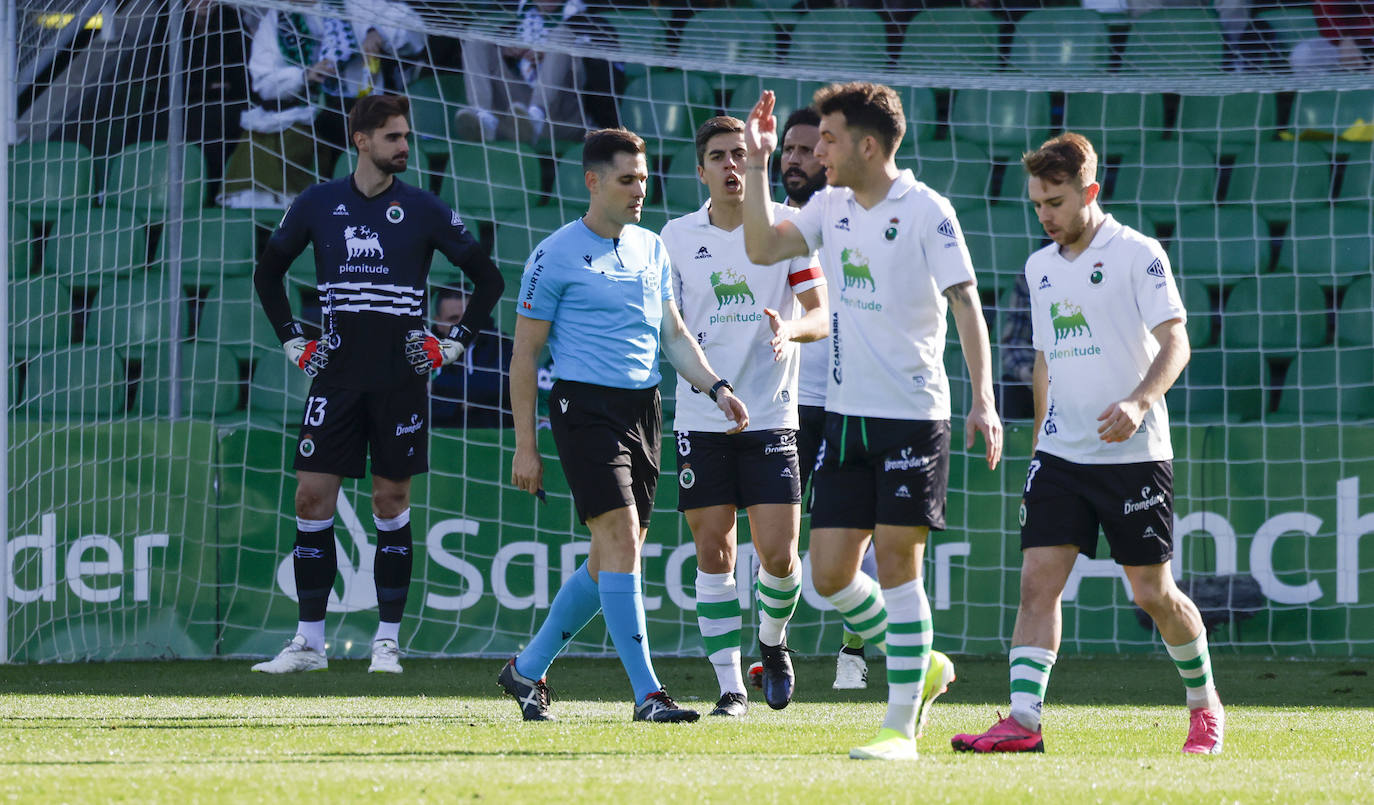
point(374, 237)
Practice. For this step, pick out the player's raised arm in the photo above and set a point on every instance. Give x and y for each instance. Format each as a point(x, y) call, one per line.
point(973, 339)
point(690, 362)
point(764, 242)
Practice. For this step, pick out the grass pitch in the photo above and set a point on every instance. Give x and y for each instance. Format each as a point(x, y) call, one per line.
point(211, 731)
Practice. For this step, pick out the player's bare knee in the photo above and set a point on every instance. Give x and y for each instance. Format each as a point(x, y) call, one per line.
point(390, 503)
point(1154, 599)
point(716, 558)
point(312, 504)
point(781, 561)
point(828, 583)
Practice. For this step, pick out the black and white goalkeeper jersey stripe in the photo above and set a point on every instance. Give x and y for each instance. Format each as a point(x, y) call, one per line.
point(371, 297)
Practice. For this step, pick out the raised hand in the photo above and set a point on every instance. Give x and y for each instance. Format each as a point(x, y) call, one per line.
point(761, 130)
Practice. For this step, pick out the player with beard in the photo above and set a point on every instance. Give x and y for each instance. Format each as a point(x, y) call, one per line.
point(374, 237)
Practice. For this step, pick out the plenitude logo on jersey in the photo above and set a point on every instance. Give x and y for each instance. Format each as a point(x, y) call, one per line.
point(1069, 322)
point(731, 288)
point(858, 276)
point(363, 246)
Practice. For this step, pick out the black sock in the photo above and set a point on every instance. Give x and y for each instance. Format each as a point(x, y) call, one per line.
point(316, 564)
point(857, 652)
point(391, 568)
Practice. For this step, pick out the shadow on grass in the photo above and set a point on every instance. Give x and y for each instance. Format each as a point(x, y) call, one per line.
point(1134, 680)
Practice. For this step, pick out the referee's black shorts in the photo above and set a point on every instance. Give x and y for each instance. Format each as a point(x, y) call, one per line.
point(609, 443)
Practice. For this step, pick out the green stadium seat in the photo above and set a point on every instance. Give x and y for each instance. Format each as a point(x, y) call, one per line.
point(1355, 319)
point(22, 242)
point(1219, 386)
point(214, 245)
point(999, 239)
point(232, 318)
point(728, 36)
point(1005, 122)
point(1060, 40)
point(1357, 179)
point(47, 178)
point(1166, 180)
point(1197, 300)
point(952, 40)
point(666, 107)
point(569, 180)
point(209, 385)
point(788, 96)
point(1331, 113)
point(955, 169)
point(277, 391)
point(1116, 123)
point(1220, 245)
point(1228, 124)
point(136, 179)
point(1325, 385)
point(40, 314)
point(1174, 41)
point(1332, 245)
point(639, 31)
point(922, 113)
point(134, 311)
point(88, 245)
point(484, 182)
point(1288, 25)
point(683, 192)
point(1278, 177)
point(1277, 313)
point(839, 38)
point(434, 101)
point(81, 382)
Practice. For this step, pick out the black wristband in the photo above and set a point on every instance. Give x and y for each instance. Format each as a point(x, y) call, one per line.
point(720, 384)
point(462, 335)
point(292, 330)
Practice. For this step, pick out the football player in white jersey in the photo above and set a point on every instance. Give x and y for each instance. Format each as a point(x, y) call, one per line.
point(746, 318)
point(1108, 331)
point(895, 262)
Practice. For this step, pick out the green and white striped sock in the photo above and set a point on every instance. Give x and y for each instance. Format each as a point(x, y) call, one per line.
point(1030, 676)
point(718, 616)
point(777, 601)
point(1195, 666)
point(862, 607)
point(909, 636)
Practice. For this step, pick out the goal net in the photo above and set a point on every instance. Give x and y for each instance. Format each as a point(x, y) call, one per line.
point(152, 147)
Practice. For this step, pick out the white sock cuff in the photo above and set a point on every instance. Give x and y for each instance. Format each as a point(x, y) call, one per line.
point(908, 599)
point(713, 587)
point(855, 593)
point(1041, 655)
point(393, 523)
point(781, 582)
point(1189, 651)
point(303, 524)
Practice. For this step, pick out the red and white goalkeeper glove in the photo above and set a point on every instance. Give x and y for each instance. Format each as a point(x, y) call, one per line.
point(309, 354)
point(427, 352)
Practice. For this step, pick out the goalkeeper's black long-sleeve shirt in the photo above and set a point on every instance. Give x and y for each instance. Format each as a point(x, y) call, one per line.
point(372, 259)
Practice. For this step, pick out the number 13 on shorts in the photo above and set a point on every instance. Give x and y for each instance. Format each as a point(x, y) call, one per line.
point(314, 411)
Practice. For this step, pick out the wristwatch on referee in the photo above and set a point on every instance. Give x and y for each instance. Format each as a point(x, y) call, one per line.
point(720, 384)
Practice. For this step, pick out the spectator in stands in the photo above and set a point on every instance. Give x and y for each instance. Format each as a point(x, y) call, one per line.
point(305, 69)
point(474, 392)
point(1346, 41)
point(1018, 358)
point(216, 81)
point(525, 94)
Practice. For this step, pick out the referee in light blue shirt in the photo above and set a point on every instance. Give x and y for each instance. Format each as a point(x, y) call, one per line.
point(599, 292)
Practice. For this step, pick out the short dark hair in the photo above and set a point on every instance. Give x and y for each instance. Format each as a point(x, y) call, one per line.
point(721, 124)
point(373, 111)
point(873, 108)
point(805, 116)
point(599, 147)
point(1068, 157)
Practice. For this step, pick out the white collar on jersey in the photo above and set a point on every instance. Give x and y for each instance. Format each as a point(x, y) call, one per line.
point(1106, 233)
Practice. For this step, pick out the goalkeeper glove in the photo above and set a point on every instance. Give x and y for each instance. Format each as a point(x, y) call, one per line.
point(427, 353)
point(310, 355)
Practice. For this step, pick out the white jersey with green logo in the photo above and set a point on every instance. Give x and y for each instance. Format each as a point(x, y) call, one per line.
point(887, 268)
point(1092, 319)
point(722, 296)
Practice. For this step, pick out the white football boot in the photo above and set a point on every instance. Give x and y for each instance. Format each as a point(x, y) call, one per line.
point(296, 657)
point(386, 658)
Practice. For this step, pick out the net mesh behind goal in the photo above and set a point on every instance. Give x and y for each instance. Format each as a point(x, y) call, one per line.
point(152, 416)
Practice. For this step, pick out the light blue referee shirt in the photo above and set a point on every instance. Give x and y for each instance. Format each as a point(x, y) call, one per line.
point(605, 300)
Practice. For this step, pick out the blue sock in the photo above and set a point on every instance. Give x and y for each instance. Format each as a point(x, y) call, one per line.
point(622, 604)
point(574, 607)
